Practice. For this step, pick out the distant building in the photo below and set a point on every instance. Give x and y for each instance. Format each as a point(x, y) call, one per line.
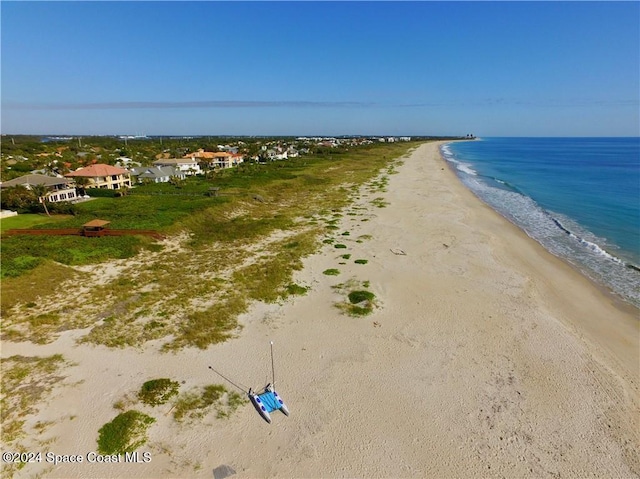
point(217, 159)
point(187, 165)
point(103, 176)
point(157, 174)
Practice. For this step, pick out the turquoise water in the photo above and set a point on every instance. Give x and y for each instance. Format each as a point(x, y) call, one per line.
point(578, 197)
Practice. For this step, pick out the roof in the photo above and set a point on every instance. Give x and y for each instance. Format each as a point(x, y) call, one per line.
point(34, 179)
point(98, 169)
point(176, 161)
point(154, 171)
point(200, 154)
point(96, 223)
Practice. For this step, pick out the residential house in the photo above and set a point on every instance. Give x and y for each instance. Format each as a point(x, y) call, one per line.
point(157, 174)
point(126, 163)
point(201, 155)
point(224, 159)
point(103, 176)
point(60, 189)
point(218, 159)
point(189, 166)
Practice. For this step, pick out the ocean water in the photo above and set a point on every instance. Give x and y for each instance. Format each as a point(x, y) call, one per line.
point(578, 197)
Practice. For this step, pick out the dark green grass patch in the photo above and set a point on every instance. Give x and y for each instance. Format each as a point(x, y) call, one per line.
point(158, 391)
point(356, 297)
point(361, 261)
point(294, 289)
point(126, 433)
point(331, 272)
point(23, 253)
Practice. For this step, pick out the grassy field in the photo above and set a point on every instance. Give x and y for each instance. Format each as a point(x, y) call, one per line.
point(241, 246)
point(28, 221)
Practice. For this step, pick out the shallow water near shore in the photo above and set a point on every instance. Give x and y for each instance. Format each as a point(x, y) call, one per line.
point(578, 197)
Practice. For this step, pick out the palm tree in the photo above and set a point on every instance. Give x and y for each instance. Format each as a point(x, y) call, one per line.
point(41, 192)
point(81, 183)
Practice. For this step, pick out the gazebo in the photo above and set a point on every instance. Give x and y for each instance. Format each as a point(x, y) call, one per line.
point(95, 228)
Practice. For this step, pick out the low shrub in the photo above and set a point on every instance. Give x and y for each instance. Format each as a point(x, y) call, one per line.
point(296, 289)
point(356, 297)
point(126, 433)
point(102, 193)
point(158, 391)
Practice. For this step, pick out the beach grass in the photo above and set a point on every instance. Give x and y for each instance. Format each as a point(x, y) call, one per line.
point(194, 404)
point(243, 246)
point(125, 433)
point(26, 381)
point(359, 301)
point(158, 391)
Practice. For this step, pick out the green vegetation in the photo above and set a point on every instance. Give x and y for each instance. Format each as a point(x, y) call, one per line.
point(222, 253)
point(346, 256)
point(126, 433)
point(356, 297)
point(361, 261)
point(29, 221)
point(158, 391)
point(360, 302)
point(331, 272)
point(294, 289)
point(198, 402)
point(379, 202)
point(340, 246)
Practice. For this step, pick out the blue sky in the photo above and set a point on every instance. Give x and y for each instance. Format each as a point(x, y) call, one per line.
point(321, 68)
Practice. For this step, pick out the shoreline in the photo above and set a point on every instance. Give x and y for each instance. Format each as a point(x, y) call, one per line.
point(486, 356)
point(605, 263)
point(596, 332)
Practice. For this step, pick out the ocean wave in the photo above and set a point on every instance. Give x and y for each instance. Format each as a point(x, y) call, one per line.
point(459, 165)
point(559, 236)
point(588, 244)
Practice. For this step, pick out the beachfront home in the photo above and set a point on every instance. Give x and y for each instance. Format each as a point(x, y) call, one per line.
point(59, 189)
point(217, 159)
point(157, 174)
point(189, 166)
point(103, 176)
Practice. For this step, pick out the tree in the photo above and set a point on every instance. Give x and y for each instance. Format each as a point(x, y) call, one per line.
point(81, 183)
point(17, 198)
point(41, 192)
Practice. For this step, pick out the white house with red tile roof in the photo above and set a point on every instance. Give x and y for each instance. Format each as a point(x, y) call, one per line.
point(103, 176)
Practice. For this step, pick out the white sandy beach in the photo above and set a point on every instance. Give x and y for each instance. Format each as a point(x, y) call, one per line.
point(486, 357)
